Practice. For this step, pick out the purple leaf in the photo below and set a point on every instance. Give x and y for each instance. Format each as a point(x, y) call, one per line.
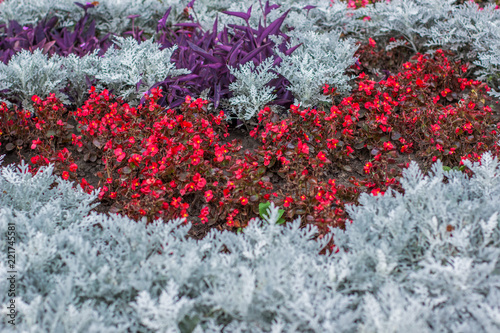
point(138, 85)
point(273, 28)
point(85, 7)
point(290, 50)
point(252, 54)
point(308, 8)
point(245, 16)
point(203, 53)
point(163, 22)
point(214, 66)
point(267, 8)
point(225, 48)
point(214, 29)
point(216, 95)
point(47, 46)
point(233, 53)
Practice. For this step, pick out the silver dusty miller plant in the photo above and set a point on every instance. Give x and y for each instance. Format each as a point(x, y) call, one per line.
point(110, 15)
point(133, 69)
point(466, 27)
point(81, 70)
point(321, 59)
point(29, 74)
point(408, 18)
point(250, 89)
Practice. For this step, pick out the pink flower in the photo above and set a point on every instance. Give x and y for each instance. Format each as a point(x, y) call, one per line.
point(388, 145)
point(120, 155)
point(208, 195)
point(35, 143)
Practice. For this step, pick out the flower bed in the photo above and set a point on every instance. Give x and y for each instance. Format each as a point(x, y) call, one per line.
point(319, 135)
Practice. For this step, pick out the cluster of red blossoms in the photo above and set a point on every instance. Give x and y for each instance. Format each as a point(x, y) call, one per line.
point(158, 163)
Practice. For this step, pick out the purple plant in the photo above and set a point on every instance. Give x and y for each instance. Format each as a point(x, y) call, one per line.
point(208, 55)
point(50, 38)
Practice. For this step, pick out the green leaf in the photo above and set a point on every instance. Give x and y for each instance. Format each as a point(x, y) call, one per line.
point(263, 212)
point(262, 208)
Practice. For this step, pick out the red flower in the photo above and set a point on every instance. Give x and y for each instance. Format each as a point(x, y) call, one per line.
point(73, 167)
point(195, 160)
point(303, 148)
point(332, 143)
point(120, 155)
point(435, 128)
point(36, 99)
point(152, 150)
point(349, 150)
point(243, 201)
point(204, 214)
point(35, 143)
point(175, 202)
point(208, 195)
point(65, 175)
point(288, 201)
point(388, 145)
point(196, 141)
point(367, 167)
point(321, 156)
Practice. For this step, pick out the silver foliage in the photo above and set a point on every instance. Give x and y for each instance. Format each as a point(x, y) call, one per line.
point(407, 18)
point(80, 69)
point(131, 70)
point(29, 74)
point(110, 15)
point(322, 59)
point(250, 91)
